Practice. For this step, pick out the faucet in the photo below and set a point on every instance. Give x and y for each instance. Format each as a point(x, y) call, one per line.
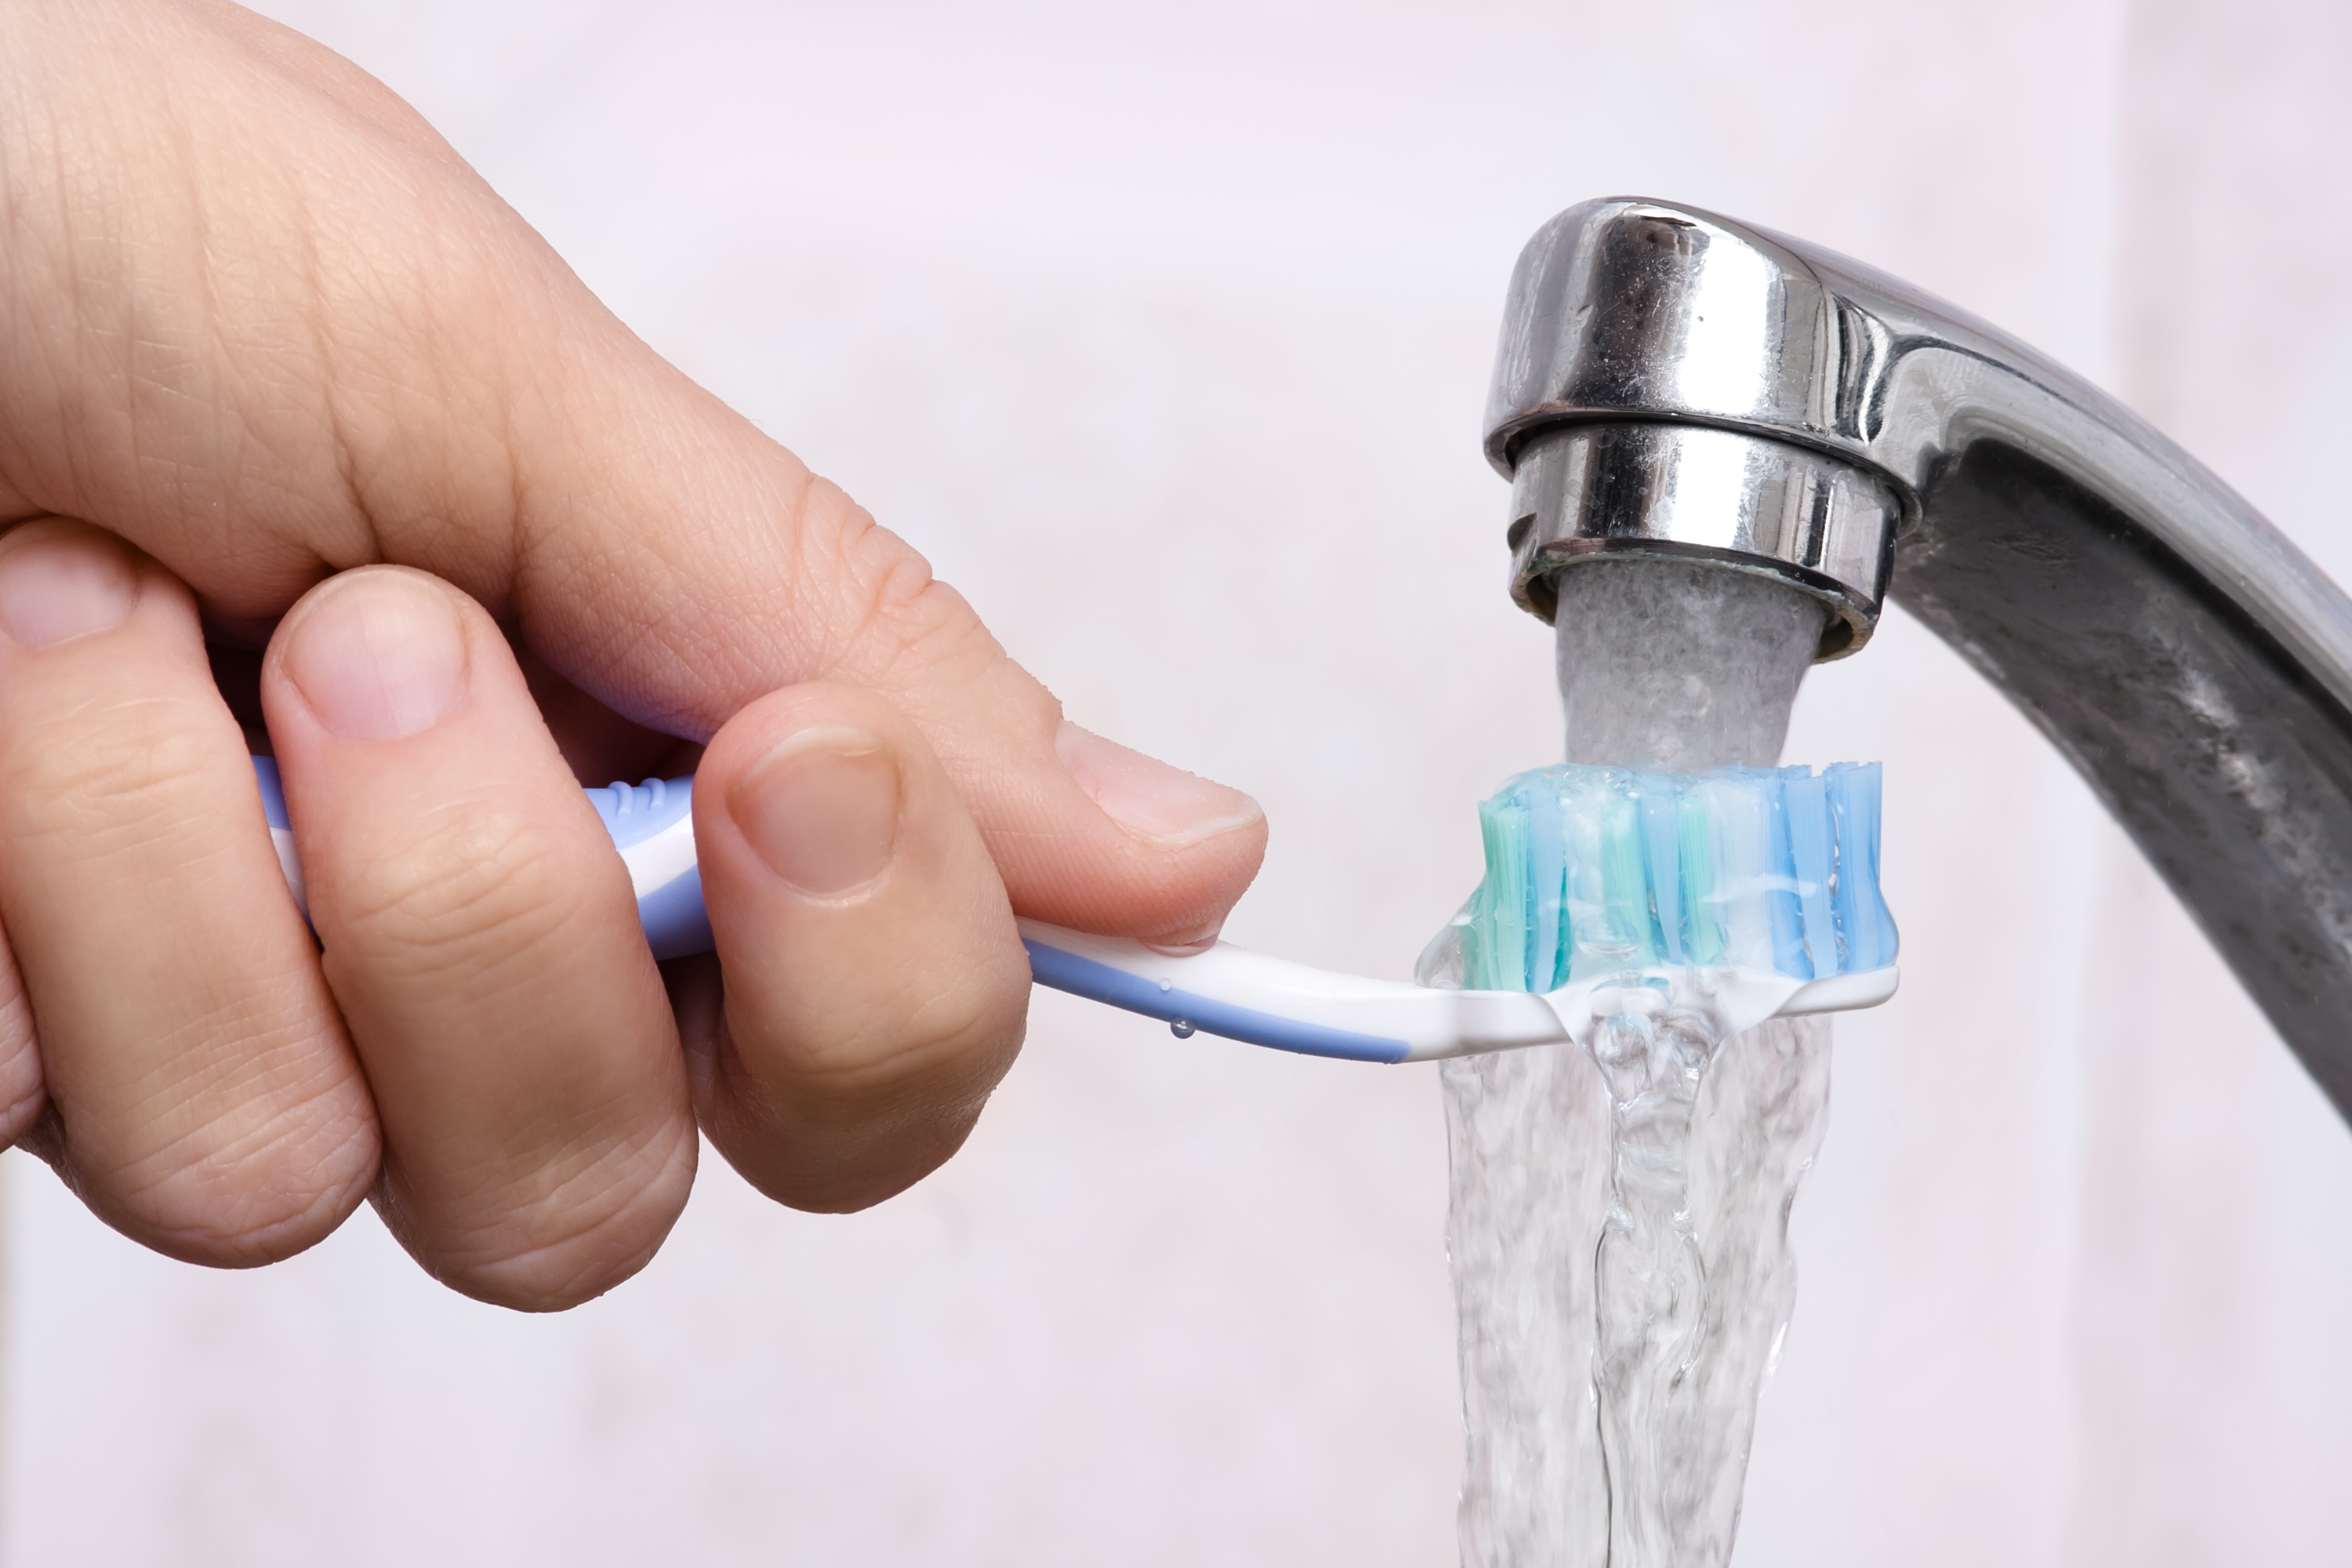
point(1672, 383)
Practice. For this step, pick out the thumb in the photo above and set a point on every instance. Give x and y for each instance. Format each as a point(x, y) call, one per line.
point(1085, 832)
point(257, 318)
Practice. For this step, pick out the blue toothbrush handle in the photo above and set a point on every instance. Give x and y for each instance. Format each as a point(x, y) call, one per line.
point(652, 825)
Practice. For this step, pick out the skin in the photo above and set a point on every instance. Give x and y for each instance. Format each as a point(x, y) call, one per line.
point(308, 442)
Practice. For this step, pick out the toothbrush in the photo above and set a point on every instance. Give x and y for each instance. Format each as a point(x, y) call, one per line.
point(1740, 895)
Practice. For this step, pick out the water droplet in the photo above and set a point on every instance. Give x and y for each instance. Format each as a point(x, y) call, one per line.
point(1167, 986)
point(1182, 1029)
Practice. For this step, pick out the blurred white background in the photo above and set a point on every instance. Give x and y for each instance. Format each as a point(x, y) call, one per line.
point(1163, 332)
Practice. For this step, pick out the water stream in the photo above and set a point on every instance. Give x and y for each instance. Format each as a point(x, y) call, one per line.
point(1619, 1222)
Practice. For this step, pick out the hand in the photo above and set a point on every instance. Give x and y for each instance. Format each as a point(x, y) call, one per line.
point(279, 373)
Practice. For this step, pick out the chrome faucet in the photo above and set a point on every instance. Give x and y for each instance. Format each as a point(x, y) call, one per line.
point(1674, 383)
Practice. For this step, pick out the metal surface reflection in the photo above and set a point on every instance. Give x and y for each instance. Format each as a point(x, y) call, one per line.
point(1755, 505)
point(1672, 381)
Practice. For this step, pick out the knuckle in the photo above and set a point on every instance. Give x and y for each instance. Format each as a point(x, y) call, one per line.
point(22, 1093)
point(252, 1185)
point(23, 1099)
point(890, 610)
point(570, 1231)
point(939, 1030)
point(462, 888)
point(840, 1120)
point(99, 776)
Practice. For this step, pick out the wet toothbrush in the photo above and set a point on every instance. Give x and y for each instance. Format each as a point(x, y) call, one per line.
point(1739, 895)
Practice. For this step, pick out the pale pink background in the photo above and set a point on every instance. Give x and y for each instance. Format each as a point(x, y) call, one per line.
point(1163, 332)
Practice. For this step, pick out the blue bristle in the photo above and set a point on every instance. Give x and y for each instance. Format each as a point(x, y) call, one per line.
point(1862, 914)
point(1694, 843)
point(1808, 847)
point(1593, 872)
point(1662, 840)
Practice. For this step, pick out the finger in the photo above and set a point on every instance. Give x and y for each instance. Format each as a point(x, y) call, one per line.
point(266, 325)
point(876, 989)
point(22, 1098)
point(481, 938)
point(202, 1097)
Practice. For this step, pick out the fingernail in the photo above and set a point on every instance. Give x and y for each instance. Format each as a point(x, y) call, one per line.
point(822, 808)
point(1185, 943)
point(56, 586)
point(379, 656)
point(1157, 803)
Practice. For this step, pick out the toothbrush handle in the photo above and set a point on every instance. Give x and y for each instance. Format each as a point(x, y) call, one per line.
point(1266, 1001)
point(1225, 990)
point(652, 825)
point(1222, 990)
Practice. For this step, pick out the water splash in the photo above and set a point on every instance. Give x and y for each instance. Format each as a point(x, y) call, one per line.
point(1619, 1225)
point(1693, 1277)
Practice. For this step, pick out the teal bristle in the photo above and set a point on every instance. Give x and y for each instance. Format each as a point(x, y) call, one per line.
point(1547, 964)
point(1582, 795)
point(1626, 883)
point(1706, 942)
point(1781, 878)
point(1740, 830)
point(1495, 945)
point(1593, 872)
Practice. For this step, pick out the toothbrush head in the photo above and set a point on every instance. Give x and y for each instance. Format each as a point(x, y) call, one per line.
point(1608, 889)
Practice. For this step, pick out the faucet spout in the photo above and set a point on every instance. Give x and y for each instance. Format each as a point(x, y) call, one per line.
point(1674, 383)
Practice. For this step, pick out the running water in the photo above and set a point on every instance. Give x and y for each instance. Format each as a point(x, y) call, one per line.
point(1619, 1228)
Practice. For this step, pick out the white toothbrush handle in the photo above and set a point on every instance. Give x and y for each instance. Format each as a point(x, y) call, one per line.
point(1244, 995)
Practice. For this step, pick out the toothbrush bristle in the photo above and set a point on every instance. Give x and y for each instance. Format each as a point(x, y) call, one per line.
point(1595, 871)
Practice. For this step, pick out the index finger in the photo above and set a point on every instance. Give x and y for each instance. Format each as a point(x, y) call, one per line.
point(266, 324)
